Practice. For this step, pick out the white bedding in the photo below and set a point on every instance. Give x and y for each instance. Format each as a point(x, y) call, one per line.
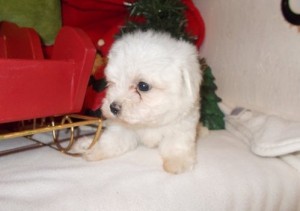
point(228, 176)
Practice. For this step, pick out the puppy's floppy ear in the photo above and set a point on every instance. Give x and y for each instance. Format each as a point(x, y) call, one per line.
point(191, 73)
point(187, 81)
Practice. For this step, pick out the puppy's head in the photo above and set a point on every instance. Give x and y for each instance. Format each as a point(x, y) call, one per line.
point(153, 79)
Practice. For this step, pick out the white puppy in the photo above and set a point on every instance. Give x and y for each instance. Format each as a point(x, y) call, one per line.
point(152, 98)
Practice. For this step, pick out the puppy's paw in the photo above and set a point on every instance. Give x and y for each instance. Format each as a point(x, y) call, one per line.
point(94, 154)
point(82, 144)
point(177, 165)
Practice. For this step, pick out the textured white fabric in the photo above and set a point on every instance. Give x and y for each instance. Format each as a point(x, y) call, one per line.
point(267, 135)
point(227, 177)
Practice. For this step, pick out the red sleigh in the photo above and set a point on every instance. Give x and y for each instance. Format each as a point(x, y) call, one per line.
point(32, 87)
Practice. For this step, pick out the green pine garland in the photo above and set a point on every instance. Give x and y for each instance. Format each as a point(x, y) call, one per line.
point(159, 15)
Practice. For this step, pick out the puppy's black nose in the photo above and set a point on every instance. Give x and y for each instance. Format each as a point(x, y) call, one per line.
point(115, 108)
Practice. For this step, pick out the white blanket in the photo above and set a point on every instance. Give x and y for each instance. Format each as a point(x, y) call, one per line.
point(228, 176)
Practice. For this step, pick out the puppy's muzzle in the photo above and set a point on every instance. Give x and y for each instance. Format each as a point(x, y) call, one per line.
point(115, 108)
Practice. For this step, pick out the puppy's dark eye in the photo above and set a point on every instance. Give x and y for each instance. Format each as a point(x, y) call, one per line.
point(143, 86)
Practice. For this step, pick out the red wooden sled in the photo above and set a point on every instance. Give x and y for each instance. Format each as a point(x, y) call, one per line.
point(33, 87)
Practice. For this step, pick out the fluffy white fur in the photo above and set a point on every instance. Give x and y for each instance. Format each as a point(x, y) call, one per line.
point(166, 116)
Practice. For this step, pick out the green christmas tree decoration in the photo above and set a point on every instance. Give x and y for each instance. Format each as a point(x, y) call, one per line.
point(159, 15)
point(211, 115)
